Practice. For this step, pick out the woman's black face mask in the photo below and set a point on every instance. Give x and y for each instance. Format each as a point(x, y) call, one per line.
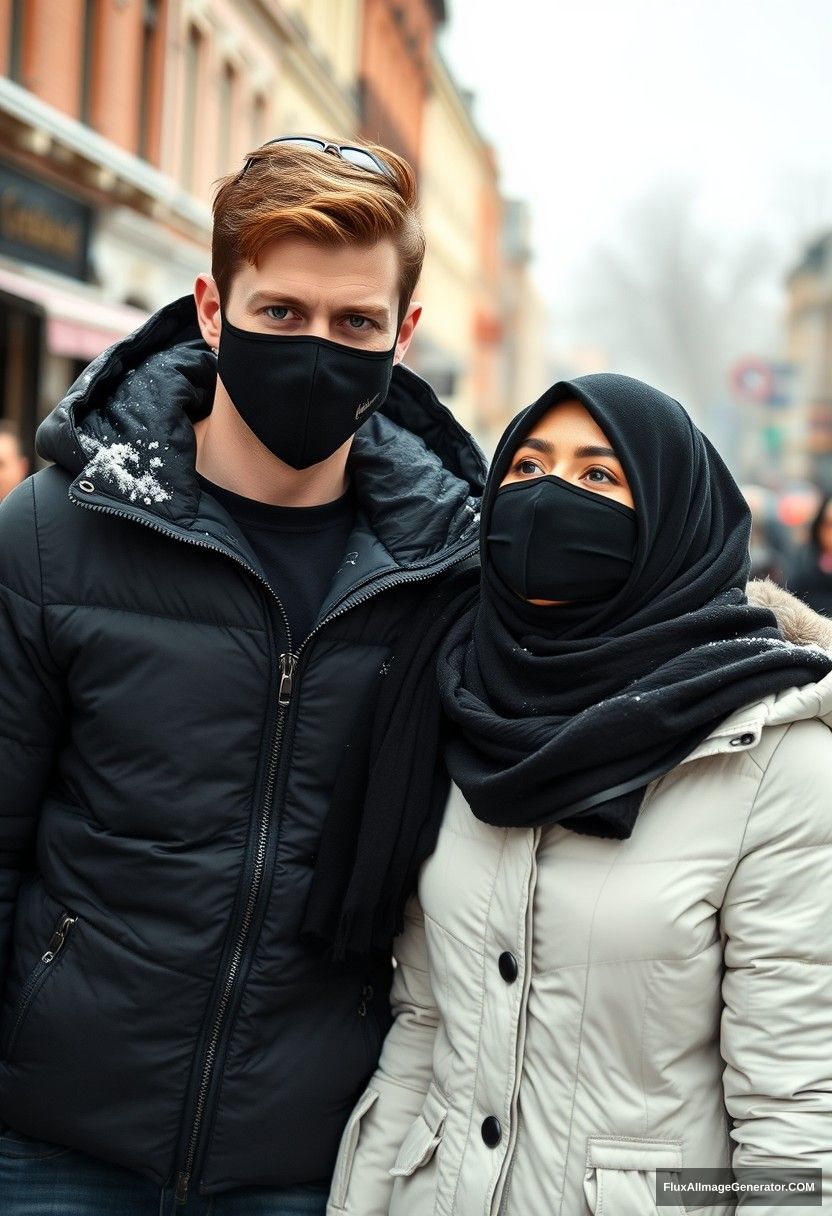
point(551, 540)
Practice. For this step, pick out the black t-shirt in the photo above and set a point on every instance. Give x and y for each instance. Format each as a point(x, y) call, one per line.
point(300, 549)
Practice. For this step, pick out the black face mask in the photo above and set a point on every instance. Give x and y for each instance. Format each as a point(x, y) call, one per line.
point(551, 540)
point(302, 397)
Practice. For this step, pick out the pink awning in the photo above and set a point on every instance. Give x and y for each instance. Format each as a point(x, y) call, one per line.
point(77, 325)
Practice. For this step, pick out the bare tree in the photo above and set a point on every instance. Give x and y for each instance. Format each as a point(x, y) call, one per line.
point(670, 302)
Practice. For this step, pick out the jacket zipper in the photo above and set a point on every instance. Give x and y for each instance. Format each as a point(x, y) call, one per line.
point(38, 975)
point(287, 669)
point(288, 664)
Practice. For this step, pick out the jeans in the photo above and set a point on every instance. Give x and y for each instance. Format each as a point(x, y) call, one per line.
point(38, 1179)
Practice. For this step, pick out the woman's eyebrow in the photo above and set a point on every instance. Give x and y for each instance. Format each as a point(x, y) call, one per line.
point(548, 448)
point(595, 451)
point(539, 445)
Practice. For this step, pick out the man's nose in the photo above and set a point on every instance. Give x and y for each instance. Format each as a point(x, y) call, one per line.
point(318, 325)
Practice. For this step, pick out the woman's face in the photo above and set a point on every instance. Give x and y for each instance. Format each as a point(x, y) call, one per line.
point(568, 443)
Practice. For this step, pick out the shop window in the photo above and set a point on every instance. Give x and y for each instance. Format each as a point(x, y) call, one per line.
point(16, 36)
point(21, 336)
point(88, 49)
point(193, 61)
point(149, 97)
point(227, 90)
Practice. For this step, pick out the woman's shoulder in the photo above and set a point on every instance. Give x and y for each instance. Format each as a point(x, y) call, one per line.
point(792, 808)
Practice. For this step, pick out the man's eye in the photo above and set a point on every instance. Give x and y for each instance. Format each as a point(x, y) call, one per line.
point(277, 312)
point(356, 321)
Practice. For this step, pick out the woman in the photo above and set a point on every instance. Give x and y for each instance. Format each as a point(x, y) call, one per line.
point(812, 579)
point(619, 959)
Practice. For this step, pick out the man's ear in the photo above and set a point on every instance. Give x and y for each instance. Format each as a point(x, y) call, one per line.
point(408, 325)
point(208, 311)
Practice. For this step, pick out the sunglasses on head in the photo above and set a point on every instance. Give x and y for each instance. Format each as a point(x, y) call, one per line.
point(360, 157)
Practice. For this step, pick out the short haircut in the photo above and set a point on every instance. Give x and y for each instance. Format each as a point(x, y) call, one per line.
point(291, 191)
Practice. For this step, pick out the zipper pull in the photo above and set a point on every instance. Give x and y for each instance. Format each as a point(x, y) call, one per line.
point(182, 1181)
point(58, 938)
point(288, 662)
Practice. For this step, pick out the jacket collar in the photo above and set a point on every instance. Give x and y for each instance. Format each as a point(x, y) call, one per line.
point(126, 429)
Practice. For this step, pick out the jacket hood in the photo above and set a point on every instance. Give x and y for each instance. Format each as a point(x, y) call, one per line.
point(126, 426)
point(801, 626)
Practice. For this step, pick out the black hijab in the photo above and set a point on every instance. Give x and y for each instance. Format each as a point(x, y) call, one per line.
point(565, 714)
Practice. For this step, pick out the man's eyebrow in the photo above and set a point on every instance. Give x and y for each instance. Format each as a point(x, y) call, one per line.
point(279, 299)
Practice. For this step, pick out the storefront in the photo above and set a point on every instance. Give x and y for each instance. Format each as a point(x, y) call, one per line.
point(53, 320)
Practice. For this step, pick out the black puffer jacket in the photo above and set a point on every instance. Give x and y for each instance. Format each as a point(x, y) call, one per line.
point(166, 764)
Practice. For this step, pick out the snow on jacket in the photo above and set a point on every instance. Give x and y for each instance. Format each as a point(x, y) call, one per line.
point(163, 780)
point(572, 1013)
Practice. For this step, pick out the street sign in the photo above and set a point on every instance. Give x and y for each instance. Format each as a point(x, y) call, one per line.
point(762, 381)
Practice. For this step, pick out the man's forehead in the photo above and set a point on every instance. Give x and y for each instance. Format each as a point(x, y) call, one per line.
point(288, 288)
point(290, 262)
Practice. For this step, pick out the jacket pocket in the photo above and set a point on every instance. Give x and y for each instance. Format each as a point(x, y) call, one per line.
point(423, 1137)
point(348, 1148)
point(620, 1177)
point(37, 977)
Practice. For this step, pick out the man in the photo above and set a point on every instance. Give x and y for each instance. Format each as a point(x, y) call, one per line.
point(250, 500)
point(13, 464)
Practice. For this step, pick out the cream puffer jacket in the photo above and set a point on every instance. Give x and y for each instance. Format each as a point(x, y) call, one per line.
point(573, 1013)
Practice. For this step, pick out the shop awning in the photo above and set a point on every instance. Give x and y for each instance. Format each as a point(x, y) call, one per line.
point(77, 325)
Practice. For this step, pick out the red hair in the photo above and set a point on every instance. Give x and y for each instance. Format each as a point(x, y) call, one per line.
point(300, 192)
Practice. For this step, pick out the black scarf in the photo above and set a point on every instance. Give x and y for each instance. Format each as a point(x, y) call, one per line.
point(390, 792)
point(565, 714)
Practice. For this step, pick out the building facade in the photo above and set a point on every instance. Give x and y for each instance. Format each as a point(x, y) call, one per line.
point(117, 117)
point(459, 334)
point(94, 232)
point(809, 349)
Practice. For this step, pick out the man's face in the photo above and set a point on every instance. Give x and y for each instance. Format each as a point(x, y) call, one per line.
point(348, 294)
point(13, 466)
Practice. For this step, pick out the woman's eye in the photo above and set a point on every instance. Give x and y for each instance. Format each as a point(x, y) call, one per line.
point(527, 467)
point(277, 312)
point(601, 477)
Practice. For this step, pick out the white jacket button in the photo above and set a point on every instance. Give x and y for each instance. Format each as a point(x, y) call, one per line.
point(492, 1133)
point(508, 967)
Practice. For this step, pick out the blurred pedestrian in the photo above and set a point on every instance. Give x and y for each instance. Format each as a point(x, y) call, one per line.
point(768, 544)
point(251, 499)
point(812, 572)
point(14, 466)
point(619, 955)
